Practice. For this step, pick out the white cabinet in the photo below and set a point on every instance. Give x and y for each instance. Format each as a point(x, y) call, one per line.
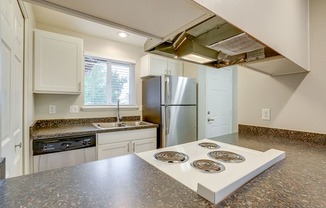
point(113, 144)
point(153, 65)
point(113, 150)
point(58, 63)
point(175, 67)
point(142, 145)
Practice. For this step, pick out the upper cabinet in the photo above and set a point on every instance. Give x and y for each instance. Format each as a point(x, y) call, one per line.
point(58, 62)
point(153, 65)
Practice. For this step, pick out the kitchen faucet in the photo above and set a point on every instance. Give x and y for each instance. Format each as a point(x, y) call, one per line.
point(119, 118)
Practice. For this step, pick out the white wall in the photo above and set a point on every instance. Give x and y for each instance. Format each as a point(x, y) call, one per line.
point(102, 47)
point(298, 102)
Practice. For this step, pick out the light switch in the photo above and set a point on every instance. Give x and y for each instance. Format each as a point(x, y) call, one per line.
point(266, 114)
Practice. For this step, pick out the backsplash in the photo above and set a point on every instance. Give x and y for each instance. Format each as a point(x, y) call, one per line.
point(283, 133)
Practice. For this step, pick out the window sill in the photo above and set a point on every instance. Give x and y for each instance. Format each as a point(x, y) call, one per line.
point(109, 108)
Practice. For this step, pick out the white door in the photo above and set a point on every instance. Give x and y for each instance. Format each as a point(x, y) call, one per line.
point(11, 86)
point(218, 102)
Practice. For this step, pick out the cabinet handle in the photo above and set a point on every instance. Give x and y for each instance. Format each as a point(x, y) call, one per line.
point(18, 145)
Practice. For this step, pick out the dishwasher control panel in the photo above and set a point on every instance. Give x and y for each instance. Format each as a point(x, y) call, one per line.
point(44, 146)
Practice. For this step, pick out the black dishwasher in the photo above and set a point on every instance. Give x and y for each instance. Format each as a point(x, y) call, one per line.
point(61, 152)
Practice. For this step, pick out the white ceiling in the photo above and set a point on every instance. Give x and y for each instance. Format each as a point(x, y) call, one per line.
point(68, 22)
point(155, 19)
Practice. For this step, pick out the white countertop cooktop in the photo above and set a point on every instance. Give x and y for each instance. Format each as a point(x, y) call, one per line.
point(215, 186)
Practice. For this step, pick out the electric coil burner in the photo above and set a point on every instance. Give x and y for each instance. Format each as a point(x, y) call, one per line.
point(171, 157)
point(208, 166)
point(226, 156)
point(209, 145)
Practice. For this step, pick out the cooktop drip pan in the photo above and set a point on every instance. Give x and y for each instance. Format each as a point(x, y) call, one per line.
point(171, 157)
point(209, 145)
point(226, 156)
point(207, 166)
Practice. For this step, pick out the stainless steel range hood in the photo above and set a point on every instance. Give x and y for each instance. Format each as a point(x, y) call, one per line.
point(216, 43)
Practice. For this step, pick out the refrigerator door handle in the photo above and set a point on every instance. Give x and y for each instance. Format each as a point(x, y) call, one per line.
point(167, 120)
point(167, 90)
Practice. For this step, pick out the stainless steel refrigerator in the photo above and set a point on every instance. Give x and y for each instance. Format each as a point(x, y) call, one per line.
point(170, 101)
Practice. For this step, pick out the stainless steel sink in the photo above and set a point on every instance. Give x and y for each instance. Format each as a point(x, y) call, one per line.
point(136, 123)
point(109, 125)
point(113, 125)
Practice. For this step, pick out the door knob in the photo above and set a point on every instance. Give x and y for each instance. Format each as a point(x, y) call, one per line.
point(210, 119)
point(18, 145)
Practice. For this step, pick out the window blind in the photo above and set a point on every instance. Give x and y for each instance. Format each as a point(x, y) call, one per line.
point(108, 80)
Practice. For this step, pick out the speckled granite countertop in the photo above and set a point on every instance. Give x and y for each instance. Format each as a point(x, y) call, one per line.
point(44, 129)
point(128, 181)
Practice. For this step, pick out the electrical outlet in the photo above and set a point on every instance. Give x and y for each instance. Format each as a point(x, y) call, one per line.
point(74, 109)
point(266, 114)
point(52, 109)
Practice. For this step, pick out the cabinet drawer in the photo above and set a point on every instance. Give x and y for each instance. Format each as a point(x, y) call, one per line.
point(119, 136)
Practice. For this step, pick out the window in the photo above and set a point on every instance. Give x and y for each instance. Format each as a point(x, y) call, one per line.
point(108, 80)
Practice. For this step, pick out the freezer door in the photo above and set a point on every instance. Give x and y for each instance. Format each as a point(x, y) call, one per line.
point(179, 125)
point(178, 90)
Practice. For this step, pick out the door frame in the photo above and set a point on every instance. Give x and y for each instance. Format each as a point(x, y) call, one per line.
point(28, 112)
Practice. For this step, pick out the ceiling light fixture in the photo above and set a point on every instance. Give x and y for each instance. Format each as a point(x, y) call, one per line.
point(122, 34)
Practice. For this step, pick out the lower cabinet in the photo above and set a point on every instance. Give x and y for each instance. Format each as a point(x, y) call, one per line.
point(113, 144)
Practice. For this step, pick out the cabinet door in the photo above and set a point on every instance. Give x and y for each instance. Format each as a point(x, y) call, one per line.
point(58, 63)
point(158, 65)
point(113, 150)
point(143, 145)
point(175, 67)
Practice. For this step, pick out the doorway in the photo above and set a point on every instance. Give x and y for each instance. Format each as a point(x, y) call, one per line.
point(217, 110)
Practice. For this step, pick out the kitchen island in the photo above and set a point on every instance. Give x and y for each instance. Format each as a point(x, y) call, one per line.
point(128, 181)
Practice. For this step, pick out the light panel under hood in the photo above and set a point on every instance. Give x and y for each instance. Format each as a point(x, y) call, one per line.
point(192, 51)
